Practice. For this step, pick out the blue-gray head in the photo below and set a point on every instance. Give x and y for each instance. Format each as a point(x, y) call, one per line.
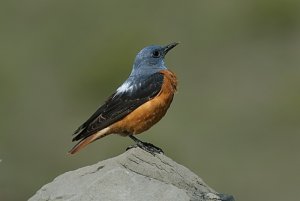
point(151, 60)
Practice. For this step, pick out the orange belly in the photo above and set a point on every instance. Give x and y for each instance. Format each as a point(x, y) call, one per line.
point(148, 114)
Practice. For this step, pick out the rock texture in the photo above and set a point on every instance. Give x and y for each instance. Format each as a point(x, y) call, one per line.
point(134, 175)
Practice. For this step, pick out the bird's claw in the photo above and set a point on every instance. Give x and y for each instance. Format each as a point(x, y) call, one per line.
point(150, 148)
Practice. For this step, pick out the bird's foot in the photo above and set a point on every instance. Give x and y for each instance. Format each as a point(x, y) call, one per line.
point(152, 149)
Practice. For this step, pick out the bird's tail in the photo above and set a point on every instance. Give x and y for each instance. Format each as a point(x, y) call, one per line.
point(80, 145)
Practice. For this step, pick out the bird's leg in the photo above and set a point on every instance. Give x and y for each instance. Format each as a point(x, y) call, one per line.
point(145, 146)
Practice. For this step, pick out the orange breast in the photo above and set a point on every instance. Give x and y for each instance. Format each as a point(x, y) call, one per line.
point(148, 114)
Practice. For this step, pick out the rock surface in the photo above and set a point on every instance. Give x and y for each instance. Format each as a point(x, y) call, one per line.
point(134, 175)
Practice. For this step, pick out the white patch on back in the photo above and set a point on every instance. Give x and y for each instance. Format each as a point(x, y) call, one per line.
point(125, 87)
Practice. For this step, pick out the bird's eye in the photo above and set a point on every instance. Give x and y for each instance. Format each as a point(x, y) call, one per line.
point(156, 53)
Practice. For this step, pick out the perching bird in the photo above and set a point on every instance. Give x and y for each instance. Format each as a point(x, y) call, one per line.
point(139, 103)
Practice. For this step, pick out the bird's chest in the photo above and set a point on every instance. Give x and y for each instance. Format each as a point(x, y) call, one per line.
point(150, 112)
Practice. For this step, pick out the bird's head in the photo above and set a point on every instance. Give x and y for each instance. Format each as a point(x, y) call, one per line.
point(151, 59)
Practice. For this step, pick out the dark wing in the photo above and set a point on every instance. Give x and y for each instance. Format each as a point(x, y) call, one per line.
point(120, 104)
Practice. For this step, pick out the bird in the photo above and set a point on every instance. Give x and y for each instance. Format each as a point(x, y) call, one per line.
point(139, 103)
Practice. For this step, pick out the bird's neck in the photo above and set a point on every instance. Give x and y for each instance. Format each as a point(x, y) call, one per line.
point(144, 71)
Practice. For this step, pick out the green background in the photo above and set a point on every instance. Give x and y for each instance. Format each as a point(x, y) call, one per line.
point(235, 120)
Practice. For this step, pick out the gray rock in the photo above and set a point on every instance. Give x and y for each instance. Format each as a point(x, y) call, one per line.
point(134, 175)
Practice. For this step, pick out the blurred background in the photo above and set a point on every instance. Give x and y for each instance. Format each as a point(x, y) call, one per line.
point(235, 120)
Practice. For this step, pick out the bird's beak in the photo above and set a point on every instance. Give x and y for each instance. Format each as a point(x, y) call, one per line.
point(167, 48)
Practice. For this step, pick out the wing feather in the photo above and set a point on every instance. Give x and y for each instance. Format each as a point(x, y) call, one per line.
point(120, 104)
